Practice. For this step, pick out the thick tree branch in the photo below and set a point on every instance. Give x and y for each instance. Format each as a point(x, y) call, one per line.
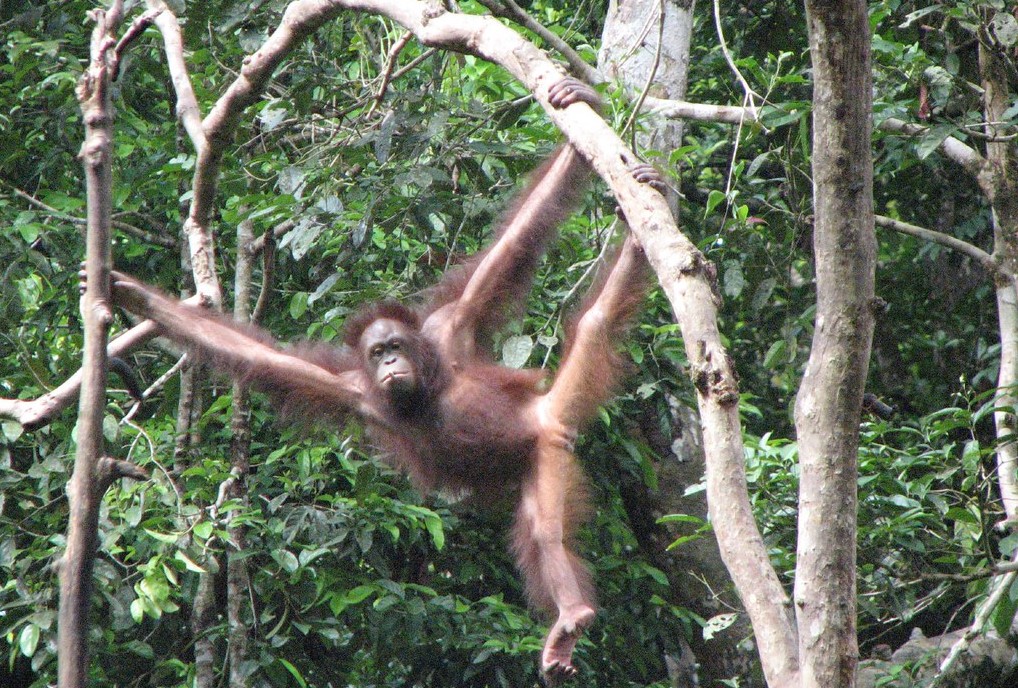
point(664, 107)
point(681, 109)
point(828, 405)
point(33, 414)
point(135, 30)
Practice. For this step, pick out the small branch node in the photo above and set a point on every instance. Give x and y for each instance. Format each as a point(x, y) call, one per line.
point(110, 470)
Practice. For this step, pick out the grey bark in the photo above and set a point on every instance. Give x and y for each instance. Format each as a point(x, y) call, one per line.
point(829, 402)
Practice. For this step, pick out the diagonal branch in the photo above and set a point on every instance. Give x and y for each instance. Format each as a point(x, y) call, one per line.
point(979, 255)
point(150, 237)
point(33, 414)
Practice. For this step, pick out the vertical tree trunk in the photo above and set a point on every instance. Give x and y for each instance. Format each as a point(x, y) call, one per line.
point(237, 577)
point(828, 405)
point(645, 45)
point(84, 491)
point(999, 181)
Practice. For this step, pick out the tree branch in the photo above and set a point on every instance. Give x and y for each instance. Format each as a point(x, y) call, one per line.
point(510, 10)
point(33, 414)
point(955, 150)
point(998, 589)
point(979, 255)
point(109, 470)
point(703, 112)
point(166, 242)
point(390, 66)
point(83, 488)
point(187, 104)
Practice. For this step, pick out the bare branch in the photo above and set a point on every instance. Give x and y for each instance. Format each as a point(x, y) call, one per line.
point(979, 255)
point(390, 65)
point(704, 112)
point(33, 414)
point(749, 95)
point(109, 470)
point(998, 590)
point(273, 235)
point(998, 570)
point(135, 30)
point(164, 241)
point(300, 20)
point(268, 241)
point(187, 104)
point(157, 385)
point(83, 495)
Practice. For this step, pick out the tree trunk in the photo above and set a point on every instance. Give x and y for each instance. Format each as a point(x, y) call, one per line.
point(645, 45)
point(237, 576)
point(85, 489)
point(999, 181)
point(829, 402)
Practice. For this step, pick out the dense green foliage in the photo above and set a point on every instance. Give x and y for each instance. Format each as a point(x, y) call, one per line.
point(355, 578)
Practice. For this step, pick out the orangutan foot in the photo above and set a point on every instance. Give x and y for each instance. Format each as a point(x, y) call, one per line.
point(557, 658)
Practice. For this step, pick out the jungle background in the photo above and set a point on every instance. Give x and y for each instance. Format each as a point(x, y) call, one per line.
point(377, 164)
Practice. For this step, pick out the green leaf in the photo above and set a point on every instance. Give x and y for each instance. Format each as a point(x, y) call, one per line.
point(435, 529)
point(718, 623)
point(137, 610)
point(28, 639)
point(775, 354)
point(189, 563)
point(286, 559)
point(359, 594)
point(297, 676)
point(1004, 614)
point(714, 199)
point(657, 574)
point(168, 538)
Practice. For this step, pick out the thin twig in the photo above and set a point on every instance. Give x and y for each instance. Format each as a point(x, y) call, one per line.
point(650, 78)
point(749, 95)
point(166, 242)
point(268, 242)
point(390, 64)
